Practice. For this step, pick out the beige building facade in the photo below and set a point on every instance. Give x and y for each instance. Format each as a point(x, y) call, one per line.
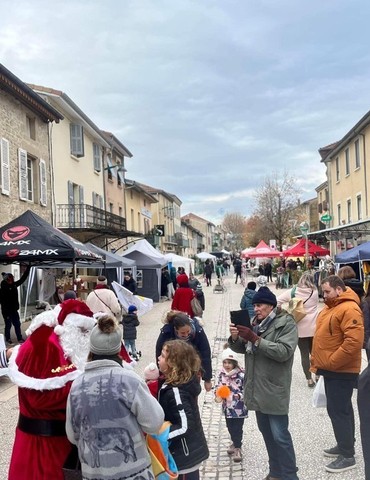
point(25, 172)
point(347, 201)
point(205, 227)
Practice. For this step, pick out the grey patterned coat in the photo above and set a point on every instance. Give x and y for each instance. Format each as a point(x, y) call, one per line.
point(108, 409)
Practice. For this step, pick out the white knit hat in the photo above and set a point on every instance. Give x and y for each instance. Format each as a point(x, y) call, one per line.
point(228, 354)
point(151, 371)
point(102, 280)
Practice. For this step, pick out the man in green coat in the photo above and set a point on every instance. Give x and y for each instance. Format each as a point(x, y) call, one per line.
point(268, 348)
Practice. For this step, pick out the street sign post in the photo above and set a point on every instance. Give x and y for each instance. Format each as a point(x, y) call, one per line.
point(304, 227)
point(326, 217)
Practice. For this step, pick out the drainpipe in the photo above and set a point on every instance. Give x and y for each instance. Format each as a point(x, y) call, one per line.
point(365, 174)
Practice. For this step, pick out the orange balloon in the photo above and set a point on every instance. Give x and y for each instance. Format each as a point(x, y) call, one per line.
point(223, 391)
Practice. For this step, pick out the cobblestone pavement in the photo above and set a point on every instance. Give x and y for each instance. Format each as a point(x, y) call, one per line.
point(310, 428)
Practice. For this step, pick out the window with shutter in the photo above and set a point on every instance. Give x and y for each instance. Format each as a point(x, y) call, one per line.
point(43, 186)
point(77, 140)
point(97, 157)
point(82, 210)
point(23, 174)
point(71, 201)
point(5, 171)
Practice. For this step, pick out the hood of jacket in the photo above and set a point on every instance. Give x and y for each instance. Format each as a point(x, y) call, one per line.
point(348, 295)
point(249, 293)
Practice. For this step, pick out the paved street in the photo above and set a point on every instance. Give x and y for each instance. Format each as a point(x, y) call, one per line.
point(310, 428)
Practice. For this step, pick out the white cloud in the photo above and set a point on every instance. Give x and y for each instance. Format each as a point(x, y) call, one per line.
point(210, 97)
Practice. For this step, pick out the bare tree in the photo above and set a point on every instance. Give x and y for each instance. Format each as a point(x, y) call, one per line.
point(255, 231)
point(276, 201)
point(235, 223)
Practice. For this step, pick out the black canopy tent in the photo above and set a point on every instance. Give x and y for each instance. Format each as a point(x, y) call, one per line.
point(29, 239)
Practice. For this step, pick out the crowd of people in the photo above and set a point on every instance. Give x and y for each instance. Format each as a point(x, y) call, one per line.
point(80, 397)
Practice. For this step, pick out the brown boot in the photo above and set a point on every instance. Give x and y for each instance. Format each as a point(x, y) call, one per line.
point(231, 449)
point(271, 478)
point(237, 455)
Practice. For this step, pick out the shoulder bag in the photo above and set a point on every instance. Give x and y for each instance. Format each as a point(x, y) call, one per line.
point(295, 306)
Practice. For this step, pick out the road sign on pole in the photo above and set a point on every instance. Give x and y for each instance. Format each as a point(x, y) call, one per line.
point(326, 217)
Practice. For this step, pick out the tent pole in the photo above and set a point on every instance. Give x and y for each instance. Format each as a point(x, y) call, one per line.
point(74, 276)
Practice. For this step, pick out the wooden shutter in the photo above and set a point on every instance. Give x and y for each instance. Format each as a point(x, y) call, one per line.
point(23, 183)
point(82, 208)
point(77, 140)
point(101, 202)
point(43, 185)
point(97, 157)
point(70, 193)
point(5, 170)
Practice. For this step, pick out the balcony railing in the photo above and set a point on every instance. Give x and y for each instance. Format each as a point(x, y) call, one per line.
point(171, 239)
point(85, 217)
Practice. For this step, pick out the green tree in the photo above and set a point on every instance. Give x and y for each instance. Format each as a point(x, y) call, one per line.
point(275, 204)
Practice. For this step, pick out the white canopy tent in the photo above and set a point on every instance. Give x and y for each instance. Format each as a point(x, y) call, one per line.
point(205, 256)
point(178, 261)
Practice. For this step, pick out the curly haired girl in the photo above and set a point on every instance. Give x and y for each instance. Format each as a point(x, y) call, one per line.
point(180, 365)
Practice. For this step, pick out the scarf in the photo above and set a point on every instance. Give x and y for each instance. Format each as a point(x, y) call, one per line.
point(259, 328)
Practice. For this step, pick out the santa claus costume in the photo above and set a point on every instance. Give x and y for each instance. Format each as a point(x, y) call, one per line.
point(44, 368)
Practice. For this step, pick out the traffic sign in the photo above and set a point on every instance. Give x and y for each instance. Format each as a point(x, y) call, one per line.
point(304, 227)
point(326, 217)
point(159, 230)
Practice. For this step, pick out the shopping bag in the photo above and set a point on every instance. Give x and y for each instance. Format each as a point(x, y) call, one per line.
point(319, 396)
point(163, 464)
point(196, 307)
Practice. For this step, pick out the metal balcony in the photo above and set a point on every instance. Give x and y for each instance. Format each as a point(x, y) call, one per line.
point(82, 218)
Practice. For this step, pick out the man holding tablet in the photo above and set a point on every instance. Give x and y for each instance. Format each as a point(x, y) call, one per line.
point(268, 345)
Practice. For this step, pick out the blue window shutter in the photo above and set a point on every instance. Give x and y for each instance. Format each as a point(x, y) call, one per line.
point(77, 140)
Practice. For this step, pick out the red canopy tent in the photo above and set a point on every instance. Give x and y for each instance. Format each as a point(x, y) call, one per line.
point(299, 249)
point(262, 251)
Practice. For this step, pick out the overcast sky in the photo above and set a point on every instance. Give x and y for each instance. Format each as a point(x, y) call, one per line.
point(209, 96)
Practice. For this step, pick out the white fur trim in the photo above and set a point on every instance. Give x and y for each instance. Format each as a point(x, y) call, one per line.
point(79, 320)
point(47, 318)
point(59, 329)
point(24, 381)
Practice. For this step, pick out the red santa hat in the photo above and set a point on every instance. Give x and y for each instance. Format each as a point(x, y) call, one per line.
point(74, 312)
point(41, 363)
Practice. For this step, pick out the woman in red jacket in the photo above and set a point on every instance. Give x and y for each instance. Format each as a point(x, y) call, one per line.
point(183, 296)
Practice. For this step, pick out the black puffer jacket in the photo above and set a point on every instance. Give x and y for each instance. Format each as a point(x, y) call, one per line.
point(199, 341)
point(187, 442)
point(130, 322)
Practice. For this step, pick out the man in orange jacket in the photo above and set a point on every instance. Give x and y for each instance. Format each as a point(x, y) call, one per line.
point(336, 355)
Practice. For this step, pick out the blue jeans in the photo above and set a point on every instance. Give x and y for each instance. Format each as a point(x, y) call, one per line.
point(12, 318)
point(279, 445)
point(130, 345)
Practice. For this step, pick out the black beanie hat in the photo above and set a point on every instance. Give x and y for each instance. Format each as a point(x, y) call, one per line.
point(264, 295)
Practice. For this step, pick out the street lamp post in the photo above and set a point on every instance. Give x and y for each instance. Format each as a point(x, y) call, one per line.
point(304, 227)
